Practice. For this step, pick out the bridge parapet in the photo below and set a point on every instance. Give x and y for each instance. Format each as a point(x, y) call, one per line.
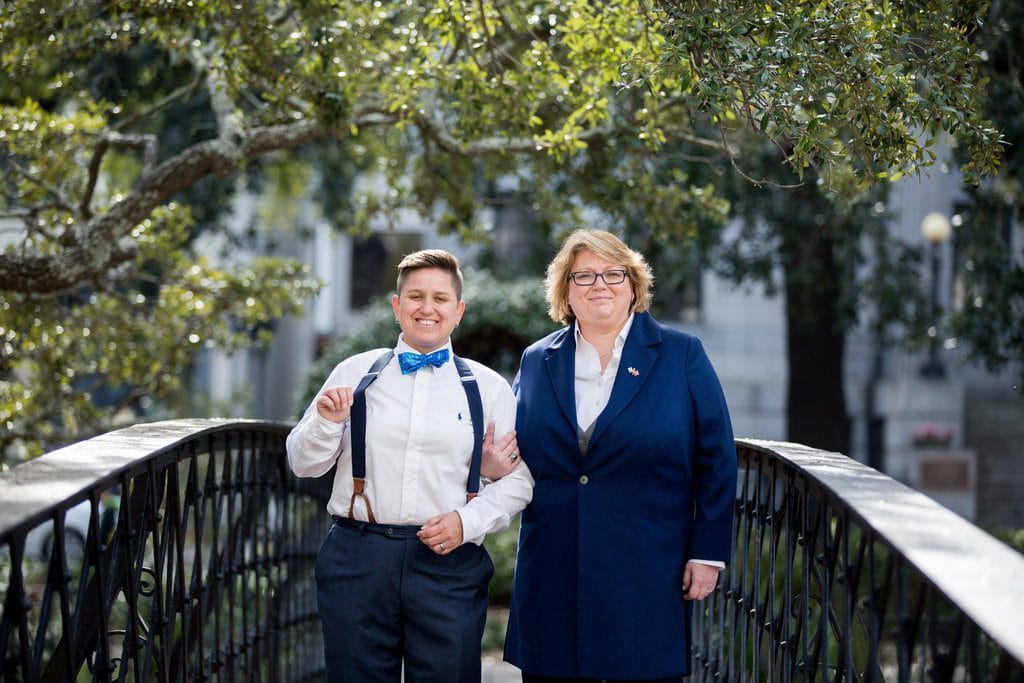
point(841, 573)
point(195, 560)
point(196, 555)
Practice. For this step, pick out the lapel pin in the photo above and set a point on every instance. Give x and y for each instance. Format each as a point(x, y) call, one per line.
point(633, 371)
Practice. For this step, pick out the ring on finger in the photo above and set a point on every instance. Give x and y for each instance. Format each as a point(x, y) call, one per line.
point(514, 455)
point(441, 546)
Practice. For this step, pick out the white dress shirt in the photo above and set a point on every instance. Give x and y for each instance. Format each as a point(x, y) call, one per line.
point(594, 388)
point(419, 442)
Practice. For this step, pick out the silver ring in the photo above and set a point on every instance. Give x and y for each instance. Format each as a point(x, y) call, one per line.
point(513, 456)
point(441, 546)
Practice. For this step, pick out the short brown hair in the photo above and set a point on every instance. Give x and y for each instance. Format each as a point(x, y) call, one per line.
point(431, 258)
point(604, 245)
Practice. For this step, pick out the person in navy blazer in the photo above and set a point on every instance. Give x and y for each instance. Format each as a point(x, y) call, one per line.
point(624, 425)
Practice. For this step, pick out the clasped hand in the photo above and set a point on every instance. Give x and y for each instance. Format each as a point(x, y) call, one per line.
point(443, 533)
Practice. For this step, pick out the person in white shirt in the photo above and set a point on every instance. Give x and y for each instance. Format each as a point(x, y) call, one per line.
point(402, 576)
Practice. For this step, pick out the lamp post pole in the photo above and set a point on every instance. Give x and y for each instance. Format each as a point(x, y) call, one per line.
point(936, 229)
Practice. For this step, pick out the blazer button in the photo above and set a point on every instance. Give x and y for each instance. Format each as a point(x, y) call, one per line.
point(584, 479)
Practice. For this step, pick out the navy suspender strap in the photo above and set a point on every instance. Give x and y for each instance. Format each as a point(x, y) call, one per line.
point(476, 413)
point(358, 421)
point(358, 418)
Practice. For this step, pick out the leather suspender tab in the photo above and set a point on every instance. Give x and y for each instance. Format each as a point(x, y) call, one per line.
point(358, 483)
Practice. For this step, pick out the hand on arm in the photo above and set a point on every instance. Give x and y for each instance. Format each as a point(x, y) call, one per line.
point(335, 404)
point(511, 488)
point(699, 580)
point(443, 533)
point(499, 457)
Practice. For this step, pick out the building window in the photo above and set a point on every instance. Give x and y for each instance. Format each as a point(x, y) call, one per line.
point(374, 262)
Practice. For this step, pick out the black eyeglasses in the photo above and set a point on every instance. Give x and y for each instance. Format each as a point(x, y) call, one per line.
point(585, 278)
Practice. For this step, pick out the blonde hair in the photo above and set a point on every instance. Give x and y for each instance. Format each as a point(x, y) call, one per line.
point(431, 258)
point(604, 245)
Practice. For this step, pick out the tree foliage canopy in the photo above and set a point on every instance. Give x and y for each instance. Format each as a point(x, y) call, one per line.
point(848, 84)
point(990, 314)
point(442, 96)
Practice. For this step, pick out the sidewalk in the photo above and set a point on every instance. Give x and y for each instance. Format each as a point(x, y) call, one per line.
point(496, 671)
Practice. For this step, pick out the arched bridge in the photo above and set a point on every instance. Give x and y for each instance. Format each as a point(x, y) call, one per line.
point(183, 551)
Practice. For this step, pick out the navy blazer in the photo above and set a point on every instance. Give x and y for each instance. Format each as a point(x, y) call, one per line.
point(598, 581)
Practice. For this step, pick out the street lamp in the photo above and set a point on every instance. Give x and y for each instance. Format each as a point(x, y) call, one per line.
point(936, 229)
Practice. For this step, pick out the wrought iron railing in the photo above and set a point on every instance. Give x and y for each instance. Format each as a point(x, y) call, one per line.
point(843, 574)
point(172, 551)
point(184, 550)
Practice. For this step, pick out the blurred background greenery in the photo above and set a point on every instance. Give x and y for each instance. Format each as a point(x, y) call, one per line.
point(502, 547)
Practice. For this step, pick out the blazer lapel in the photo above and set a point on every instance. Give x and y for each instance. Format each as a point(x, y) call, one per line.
point(638, 357)
point(560, 358)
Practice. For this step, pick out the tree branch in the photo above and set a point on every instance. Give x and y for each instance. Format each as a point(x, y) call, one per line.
point(59, 200)
point(179, 93)
point(435, 131)
point(20, 214)
point(679, 135)
point(148, 143)
point(104, 241)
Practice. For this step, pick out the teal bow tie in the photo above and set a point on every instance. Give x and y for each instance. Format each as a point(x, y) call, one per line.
point(411, 362)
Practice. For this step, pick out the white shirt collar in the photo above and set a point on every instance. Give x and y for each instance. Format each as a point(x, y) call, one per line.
point(620, 338)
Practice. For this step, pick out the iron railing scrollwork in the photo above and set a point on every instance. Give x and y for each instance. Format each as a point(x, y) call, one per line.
point(196, 553)
point(842, 574)
point(205, 575)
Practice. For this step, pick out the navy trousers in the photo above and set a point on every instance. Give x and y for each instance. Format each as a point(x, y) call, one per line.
point(385, 598)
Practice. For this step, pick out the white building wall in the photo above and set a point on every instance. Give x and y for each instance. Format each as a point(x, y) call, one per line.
point(744, 334)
